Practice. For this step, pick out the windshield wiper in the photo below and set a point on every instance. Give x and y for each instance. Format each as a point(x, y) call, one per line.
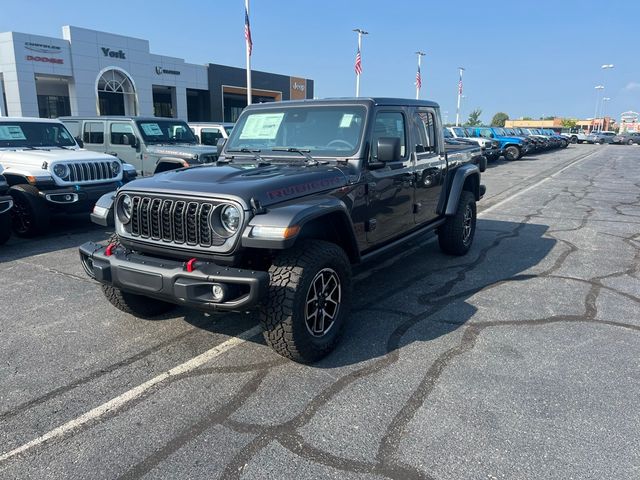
point(302, 151)
point(261, 162)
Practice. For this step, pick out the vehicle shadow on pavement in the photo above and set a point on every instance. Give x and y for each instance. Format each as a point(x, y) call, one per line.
point(66, 231)
point(394, 298)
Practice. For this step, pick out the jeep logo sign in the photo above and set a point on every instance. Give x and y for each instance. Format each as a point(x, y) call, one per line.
point(110, 53)
point(297, 88)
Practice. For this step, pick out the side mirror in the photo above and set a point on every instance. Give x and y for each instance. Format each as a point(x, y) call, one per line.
point(135, 143)
point(388, 149)
point(79, 142)
point(220, 145)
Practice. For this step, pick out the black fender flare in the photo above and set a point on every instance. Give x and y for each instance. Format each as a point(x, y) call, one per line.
point(457, 186)
point(299, 214)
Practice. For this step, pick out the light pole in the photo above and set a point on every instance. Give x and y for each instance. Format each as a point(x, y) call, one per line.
point(605, 67)
point(604, 99)
point(460, 70)
point(595, 115)
point(419, 74)
point(358, 65)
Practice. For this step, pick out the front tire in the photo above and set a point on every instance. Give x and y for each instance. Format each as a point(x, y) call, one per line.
point(512, 153)
point(136, 305)
point(456, 235)
point(630, 142)
point(309, 300)
point(30, 213)
point(5, 227)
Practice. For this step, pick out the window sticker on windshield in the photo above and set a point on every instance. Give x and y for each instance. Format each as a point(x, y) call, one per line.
point(347, 118)
point(262, 126)
point(11, 132)
point(152, 129)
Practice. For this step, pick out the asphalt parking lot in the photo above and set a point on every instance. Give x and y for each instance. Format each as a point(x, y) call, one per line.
point(519, 360)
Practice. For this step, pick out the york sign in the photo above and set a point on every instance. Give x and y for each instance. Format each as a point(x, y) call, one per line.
point(110, 53)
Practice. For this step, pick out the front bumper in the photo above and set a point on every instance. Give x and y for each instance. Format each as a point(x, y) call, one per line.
point(78, 199)
point(6, 202)
point(169, 280)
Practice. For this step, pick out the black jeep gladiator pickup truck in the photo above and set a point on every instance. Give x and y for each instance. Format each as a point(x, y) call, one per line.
point(301, 191)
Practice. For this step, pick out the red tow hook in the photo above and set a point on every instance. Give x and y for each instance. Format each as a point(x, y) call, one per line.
point(191, 265)
point(109, 250)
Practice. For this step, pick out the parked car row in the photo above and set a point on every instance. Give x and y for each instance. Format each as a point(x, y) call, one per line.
point(511, 143)
point(626, 138)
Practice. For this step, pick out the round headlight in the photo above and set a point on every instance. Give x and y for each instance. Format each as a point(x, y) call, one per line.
point(124, 208)
point(61, 170)
point(115, 167)
point(230, 218)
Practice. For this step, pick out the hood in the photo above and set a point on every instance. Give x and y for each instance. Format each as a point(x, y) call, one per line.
point(55, 154)
point(182, 150)
point(268, 184)
point(511, 139)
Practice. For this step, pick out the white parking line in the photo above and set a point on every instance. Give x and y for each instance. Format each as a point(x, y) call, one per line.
point(134, 393)
point(537, 184)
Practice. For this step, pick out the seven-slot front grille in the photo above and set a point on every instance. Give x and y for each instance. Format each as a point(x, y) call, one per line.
point(90, 171)
point(180, 222)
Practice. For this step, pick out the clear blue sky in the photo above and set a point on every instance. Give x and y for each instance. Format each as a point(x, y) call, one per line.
point(524, 58)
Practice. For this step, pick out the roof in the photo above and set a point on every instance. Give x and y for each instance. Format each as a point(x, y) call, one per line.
point(119, 117)
point(380, 101)
point(211, 124)
point(29, 119)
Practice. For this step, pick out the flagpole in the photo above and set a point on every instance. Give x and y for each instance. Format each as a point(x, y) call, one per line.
point(360, 32)
point(460, 69)
point(248, 52)
point(419, 83)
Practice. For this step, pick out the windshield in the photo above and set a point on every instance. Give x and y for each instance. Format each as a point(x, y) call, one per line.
point(499, 131)
point(34, 134)
point(447, 133)
point(166, 131)
point(228, 129)
point(485, 132)
point(330, 130)
point(460, 132)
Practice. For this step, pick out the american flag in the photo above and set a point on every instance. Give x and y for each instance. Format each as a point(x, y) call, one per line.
point(358, 65)
point(418, 79)
point(247, 31)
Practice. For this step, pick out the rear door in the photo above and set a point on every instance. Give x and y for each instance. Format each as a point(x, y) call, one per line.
point(390, 189)
point(430, 164)
point(93, 135)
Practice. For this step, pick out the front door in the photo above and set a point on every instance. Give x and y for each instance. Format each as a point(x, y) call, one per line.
point(121, 140)
point(430, 165)
point(389, 189)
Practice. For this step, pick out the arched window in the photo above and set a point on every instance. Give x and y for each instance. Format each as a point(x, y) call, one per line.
point(116, 93)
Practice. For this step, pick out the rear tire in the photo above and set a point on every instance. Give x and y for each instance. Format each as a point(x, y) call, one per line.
point(5, 227)
point(136, 305)
point(456, 235)
point(30, 213)
point(512, 153)
point(309, 300)
point(630, 142)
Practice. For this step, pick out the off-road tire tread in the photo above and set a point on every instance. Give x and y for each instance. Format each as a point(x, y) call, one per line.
point(450, 234)
point(286, 275)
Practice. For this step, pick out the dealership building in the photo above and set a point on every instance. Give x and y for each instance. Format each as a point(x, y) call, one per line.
point(89, 73)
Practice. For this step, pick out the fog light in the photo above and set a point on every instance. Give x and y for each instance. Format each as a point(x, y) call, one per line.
point(68, 198)
point(218, 291)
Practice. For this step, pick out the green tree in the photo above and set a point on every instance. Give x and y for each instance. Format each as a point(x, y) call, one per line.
point(569, 122)
point(499, 119)
point(526, 118)
point(474, 118)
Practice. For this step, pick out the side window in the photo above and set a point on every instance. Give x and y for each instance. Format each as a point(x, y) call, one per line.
point(93, 133)
point(73, 127)
point(122, 134)
point(389, 124)
point(210, 136)
point(426, 126)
